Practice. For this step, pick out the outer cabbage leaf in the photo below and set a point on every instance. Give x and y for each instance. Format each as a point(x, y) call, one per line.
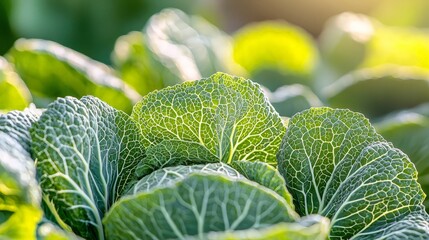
point(51, 70)
point(228, 116)
point(275, 53)
point(336, 165)
point(14, 94)
point(409, 131)
point(196, 205)
point(86, 155)
point(19, 191)
point(312, 227)
point(17, 125)
point(170, 175)
point(407, 225)
point(265, 175)
point(378, 91)
point(173, 153)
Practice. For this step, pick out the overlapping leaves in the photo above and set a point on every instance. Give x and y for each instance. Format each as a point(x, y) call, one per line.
point(86, 155)
point(228, 118)
point(336, 165)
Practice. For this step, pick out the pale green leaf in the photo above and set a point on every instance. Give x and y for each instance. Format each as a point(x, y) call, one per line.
point(198, 204)
point(228, 116)
point(17, 125)
point(169, 175)
point(409, 131)
point(51, 70)
point(173, 153)
point(265, 175)
point(313, 227)
point(86, 155)
point(14, 94)
point(336, 165)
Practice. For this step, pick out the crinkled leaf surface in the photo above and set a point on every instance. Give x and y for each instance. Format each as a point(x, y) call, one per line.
point(173, 153)
point(17, 124)
point(409, 131)
point(196, 205)
point(19, 191)
point(228, 116)
point(189, 46)
point(86, 155)
point(14, 94)
point(265, 175)
point(169, 175)
point(378, 91)
point(313, 227)
point(336, 165)
point(275, 53)
point(51, 70)
point(399, 225)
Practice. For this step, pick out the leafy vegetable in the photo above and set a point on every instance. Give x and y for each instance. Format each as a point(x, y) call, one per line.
point(86, 155)
point(313, 227)
point(17, 125)
point(51, 70)
point(196, 205)
point(19, 191)
point(14, 94)
point(275, 53)
point(169, 175)
point(378, 91)
point(173, 153)
point(228, 117)
point(336, 165)
point(265, 175)
point(409, 131)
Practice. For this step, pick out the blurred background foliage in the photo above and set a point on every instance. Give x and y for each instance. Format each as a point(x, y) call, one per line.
point(370, 56)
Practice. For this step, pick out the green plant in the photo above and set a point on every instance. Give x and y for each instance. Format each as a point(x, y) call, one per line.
point(198, 161)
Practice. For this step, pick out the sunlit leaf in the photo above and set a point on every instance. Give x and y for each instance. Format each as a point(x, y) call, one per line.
point(193, 206)
point(229, 118)
point(14, 94)
point(336, 165)
point(86, 155)
point(51, 70)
